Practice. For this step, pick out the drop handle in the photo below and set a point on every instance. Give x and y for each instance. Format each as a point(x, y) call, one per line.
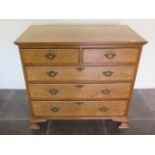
point(103, 109)
point(106, 91)
point(50, 56)
point(108, 73)
point(110, 55)
point(52, 73)
point(53, 91)
point(55, 109)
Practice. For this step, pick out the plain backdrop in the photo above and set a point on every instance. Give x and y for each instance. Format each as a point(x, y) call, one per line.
point(11, 73)
point(11, 76)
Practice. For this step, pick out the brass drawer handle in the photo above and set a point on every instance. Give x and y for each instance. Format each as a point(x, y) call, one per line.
point(52, 73)
point(79, 103)
point(53, 91)
point(55, 109)
point(103, 109)
point(80, 68)
point(79, 86)
point(50, 56)
point(110, 55)
point(106, 91)
point(108, 73)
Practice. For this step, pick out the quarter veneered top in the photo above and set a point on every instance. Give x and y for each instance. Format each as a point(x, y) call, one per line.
point(101, 34)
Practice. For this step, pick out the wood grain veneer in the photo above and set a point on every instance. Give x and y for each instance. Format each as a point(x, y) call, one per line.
point(78, 109)
point(79, 91)
point(53, 74)
point(50, 56)
point(110, 56)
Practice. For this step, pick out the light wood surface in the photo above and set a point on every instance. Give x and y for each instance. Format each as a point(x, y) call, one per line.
point(105, 34)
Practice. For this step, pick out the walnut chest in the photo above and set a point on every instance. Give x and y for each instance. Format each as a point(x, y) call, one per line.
point(79, 72)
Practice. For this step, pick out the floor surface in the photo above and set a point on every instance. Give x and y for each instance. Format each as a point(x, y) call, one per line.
point(14, 118)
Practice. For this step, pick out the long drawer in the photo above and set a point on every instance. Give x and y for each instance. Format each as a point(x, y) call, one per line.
point(110, 56)
point(50, 56)
point(79, 108)
point(79, 73)
point(79, 91)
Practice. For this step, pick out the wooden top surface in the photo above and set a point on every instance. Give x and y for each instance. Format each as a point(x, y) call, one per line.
point(93, 34)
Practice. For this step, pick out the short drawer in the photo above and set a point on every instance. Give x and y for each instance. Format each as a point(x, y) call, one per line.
point(50, 56)
point(109, 56)
point(79, 73)
point(79, 91)
point(79, 108)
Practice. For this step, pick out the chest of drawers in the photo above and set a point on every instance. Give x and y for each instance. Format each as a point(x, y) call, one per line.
point(79, 72)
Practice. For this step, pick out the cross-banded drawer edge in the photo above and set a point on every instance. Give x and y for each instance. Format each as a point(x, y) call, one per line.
point(79, 91)
point(50, 56)
point(79, 108)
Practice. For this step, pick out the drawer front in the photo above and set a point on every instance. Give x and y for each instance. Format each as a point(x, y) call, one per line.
point(79, 91)
point(78, 108)
point(50, 56)
point(72, 73)
point(105, 56)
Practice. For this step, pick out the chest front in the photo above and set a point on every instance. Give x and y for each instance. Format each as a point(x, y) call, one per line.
point(79, 72)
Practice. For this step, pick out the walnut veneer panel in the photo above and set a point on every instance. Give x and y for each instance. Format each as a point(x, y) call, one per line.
point(79, 108)
point(50, 56)
point(79, 91)
point(104, 56)
point(47, 74)
point(105, 34)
